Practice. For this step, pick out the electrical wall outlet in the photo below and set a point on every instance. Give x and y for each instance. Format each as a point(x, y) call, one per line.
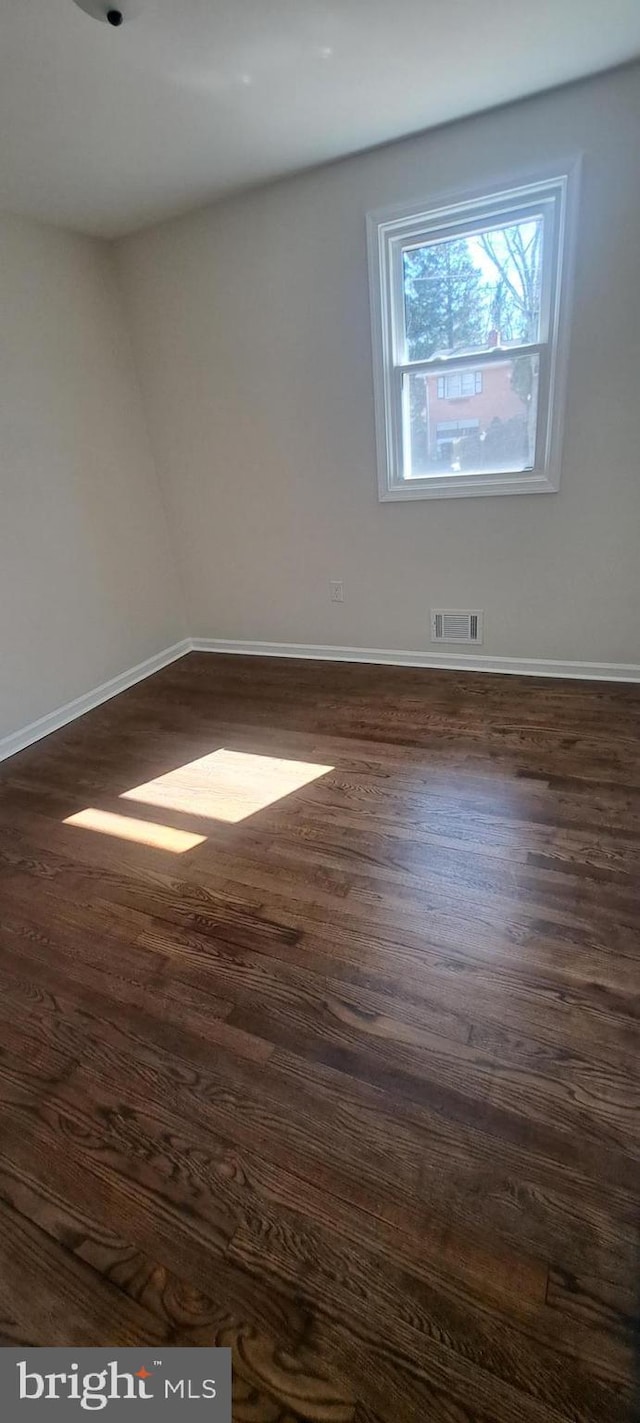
point(336, 590)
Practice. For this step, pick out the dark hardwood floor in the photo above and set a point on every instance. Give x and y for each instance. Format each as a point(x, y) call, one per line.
point(345, 1071)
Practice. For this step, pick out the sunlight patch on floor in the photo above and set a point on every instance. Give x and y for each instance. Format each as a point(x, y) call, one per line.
point(227, 785)
point(143, 832)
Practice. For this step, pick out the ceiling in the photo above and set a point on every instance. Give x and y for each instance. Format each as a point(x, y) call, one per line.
point(106, 129)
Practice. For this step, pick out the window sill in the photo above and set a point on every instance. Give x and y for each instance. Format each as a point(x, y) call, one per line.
point(467, 486)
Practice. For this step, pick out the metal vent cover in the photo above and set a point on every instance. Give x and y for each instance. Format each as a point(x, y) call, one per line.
point(456, 625)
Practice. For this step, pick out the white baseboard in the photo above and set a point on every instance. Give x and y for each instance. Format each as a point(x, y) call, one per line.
point(18, 740)
point(454, 662)
point(451, 661)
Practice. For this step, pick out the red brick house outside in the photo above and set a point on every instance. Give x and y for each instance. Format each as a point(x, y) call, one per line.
point(470, 418)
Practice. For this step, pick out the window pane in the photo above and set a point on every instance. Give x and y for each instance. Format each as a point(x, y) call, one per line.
point(474, 292)
point(491, 430)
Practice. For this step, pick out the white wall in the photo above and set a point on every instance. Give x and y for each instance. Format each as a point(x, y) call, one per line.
point(87, 587)
point(251, 324)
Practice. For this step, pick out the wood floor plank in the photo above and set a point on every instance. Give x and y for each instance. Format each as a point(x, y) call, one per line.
point(47, 1296)
point(354, 1083)
point(268, 1382)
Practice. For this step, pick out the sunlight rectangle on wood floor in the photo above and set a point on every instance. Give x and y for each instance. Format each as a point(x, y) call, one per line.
point(144, 832)
point(227, 785)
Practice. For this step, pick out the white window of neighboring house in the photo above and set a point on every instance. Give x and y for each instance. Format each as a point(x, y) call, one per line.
point(459, 384)
point(470, 296)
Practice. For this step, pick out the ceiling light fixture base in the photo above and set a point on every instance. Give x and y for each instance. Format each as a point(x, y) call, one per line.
point(112, 15)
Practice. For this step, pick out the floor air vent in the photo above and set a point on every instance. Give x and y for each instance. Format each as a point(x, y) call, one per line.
point(452, 625)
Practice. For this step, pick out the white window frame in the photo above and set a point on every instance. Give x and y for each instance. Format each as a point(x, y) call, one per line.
point(554, 195)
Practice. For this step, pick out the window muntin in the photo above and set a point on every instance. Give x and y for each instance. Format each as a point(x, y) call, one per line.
point(479, 279)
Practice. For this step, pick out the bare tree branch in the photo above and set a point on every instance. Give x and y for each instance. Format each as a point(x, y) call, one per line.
point(518, 265)
point(499, 264)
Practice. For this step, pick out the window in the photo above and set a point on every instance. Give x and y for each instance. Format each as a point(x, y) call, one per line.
point(470, 304)
point(459, 384)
